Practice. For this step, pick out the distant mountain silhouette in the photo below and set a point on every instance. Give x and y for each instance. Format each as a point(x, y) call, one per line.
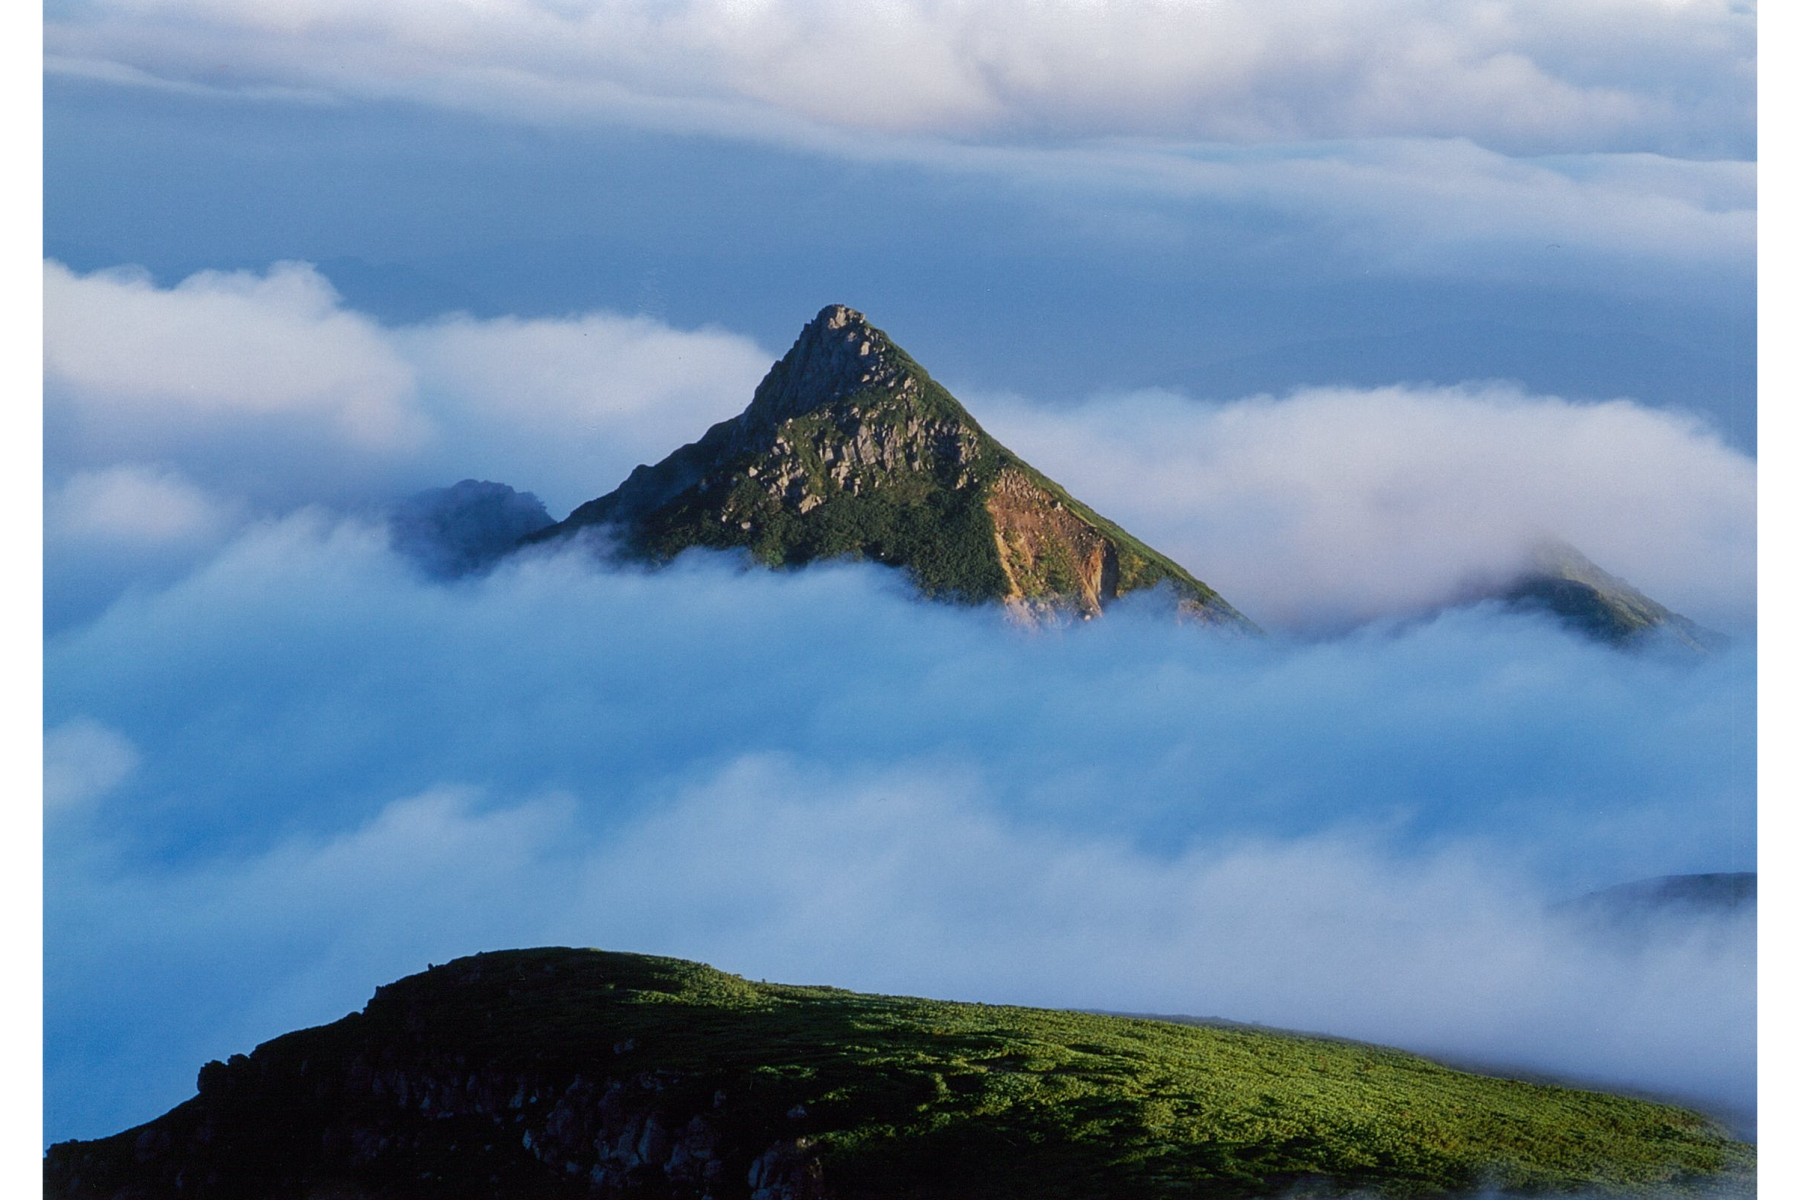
point(1562, 581)
point(465, 527)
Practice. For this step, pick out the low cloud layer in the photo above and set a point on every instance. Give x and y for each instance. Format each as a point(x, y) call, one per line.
point(1520, 75)
point(283, 765)
point(309, 770)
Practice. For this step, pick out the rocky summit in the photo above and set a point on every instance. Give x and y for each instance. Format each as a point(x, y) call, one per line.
point(850, 450)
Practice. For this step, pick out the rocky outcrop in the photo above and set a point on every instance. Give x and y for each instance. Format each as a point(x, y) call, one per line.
point(379, 1119)
point(838, 354)
point(433, 1130)
point(396, 1130)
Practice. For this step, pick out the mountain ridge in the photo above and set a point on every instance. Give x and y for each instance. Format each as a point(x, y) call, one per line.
point(849, 449)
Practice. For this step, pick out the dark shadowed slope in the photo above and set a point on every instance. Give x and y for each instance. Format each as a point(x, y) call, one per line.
point(551, 1073)
point(1562, 581)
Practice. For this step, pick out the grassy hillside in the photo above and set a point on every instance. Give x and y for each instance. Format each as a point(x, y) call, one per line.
point(898, 1097)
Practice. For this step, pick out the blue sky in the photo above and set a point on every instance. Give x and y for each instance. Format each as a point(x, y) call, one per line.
point(1342, 313)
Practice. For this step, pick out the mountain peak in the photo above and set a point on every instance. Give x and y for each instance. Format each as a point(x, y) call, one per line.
point(1561, 580)
point(839, 316)
point(837, 354)
point(849, 449)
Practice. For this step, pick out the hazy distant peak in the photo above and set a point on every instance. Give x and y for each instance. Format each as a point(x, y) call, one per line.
point(1560, 579)
point(463, 528)
point(1642, 906)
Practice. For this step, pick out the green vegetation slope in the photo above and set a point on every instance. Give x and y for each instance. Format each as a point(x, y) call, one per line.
point(849, 449)
point(1566, 583)
point(557, 1072)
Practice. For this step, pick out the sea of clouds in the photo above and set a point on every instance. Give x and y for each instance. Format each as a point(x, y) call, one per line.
point(283, 765)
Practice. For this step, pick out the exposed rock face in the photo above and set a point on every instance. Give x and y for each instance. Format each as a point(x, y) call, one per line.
point(849, 449)
point(377, 1106)
point(429, 1127)
point(1047, 550)
point(836, 355)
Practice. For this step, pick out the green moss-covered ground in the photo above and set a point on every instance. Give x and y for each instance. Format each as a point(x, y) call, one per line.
point(924, 1098)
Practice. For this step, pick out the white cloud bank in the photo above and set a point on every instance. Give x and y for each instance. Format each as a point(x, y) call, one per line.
point(607, 390)
point(218, 348)
point(1521, 75)
point(265, 386)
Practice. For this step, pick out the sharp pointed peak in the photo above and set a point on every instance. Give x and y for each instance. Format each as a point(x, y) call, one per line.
point(838, 316)
point(837, 353)
point(850, 449)
point(839, 325)
point(1550, 553)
